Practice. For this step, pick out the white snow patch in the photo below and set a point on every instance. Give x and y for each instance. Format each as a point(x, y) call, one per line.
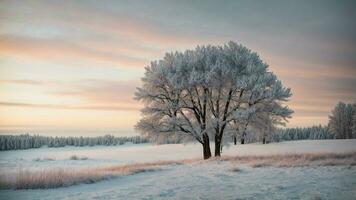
point(213, 180)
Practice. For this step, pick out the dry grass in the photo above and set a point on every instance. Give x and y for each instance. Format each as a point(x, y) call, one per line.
point(44, 159)
point(52, 178)
point(296, 160)
point(75, 157)
point(235, 169)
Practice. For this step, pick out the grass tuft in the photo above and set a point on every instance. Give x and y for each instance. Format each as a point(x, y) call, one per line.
point(44, 159)
point(75, 157)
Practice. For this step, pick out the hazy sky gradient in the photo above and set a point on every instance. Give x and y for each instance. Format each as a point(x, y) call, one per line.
point(72, 66)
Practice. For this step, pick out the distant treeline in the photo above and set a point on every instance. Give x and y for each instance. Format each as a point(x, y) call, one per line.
point(276, 135)
point(305, 133)
point(26, 141)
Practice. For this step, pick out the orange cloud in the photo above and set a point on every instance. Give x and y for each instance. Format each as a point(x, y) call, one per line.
point(288, 66)
point(140, 32)
point(58, 50)
point(72, 107)
point(92, 93)
point(26, 82)
point(98, 91)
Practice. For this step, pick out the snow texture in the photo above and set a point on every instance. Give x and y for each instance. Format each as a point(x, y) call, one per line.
point(212, 180)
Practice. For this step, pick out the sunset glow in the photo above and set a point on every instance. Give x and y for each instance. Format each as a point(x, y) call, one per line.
point(74, 67)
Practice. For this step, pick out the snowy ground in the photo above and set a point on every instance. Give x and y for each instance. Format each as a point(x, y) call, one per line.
point(213, 180)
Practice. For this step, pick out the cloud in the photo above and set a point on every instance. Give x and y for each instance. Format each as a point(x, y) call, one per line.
point(131, 37)
point(99, 91)
point(71, 107)
point(310, 46)
point(90, 93)
point(52, 50)
point(292, 68)
point(24, 82)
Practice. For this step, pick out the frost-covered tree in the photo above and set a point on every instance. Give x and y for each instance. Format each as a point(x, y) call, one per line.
point(201, 93)
point(340, 121)
point(350, 112)
point(243, 89)
point(263, 118)
point(175, 93)
point(264, 124)
point(253, 90)
point(354, 121)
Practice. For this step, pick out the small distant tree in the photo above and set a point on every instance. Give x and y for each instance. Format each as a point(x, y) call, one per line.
point(350, 112)
point(201, 93)
point(354, 121)
point(341, 121)
point(336, 124)
point(265, 125)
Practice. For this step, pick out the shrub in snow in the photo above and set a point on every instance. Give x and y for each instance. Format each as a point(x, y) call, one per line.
point(75, 157)
point(44, 159)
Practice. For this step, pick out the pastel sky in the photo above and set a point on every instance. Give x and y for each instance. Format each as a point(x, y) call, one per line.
point(70, 67)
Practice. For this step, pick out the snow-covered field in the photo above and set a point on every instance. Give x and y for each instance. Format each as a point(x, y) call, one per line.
point(212, 180)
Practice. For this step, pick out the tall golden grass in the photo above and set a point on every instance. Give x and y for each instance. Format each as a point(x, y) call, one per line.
point(58, 177)
point(296, 160)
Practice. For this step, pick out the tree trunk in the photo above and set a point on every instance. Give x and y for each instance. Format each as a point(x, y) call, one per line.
point(243, 135)
point(206, 151)
point(242, 140)
point(217, 146)
point(206, 147)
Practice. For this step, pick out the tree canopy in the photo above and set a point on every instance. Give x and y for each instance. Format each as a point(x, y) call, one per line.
point(342, 121)
point(209, 91)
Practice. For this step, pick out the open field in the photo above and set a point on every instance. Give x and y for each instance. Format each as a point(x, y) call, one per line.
point(299, 169)
point(99, 156)
point(53, 178)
